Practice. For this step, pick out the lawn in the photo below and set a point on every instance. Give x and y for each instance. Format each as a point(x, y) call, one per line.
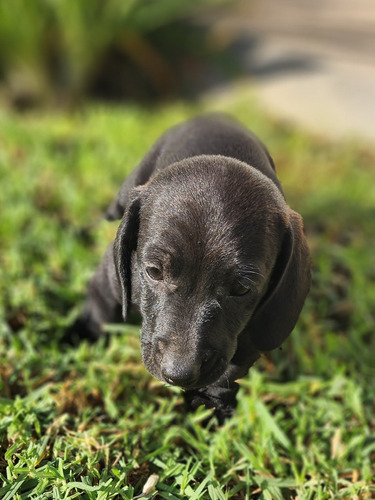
point(90, 422)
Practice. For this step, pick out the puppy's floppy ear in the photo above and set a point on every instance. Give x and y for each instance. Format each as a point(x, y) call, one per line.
point(278, 311)
point(125, 244)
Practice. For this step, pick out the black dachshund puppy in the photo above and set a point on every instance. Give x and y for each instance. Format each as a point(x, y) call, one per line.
point(210, 254)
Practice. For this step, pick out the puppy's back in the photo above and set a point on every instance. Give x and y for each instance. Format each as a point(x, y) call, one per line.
point(210, 134)
point(215, 134)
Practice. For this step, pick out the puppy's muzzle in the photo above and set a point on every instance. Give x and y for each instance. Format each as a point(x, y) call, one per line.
point(192, 373)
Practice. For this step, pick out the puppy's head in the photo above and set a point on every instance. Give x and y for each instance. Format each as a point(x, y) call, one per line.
point(208, 241)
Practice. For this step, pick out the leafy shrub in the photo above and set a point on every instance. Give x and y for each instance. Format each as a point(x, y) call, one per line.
point(61, 50)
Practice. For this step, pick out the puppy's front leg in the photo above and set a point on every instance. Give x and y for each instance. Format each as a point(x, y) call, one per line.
point(222, 394)
point(102, 305)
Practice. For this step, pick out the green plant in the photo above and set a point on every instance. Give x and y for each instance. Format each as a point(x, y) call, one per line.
point(58, 50)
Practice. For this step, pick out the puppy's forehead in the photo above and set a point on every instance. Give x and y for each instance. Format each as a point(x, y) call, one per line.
point(212, 204)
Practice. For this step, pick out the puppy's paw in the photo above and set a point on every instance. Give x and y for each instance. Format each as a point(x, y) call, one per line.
point(224, 413)
point(222, 400)
point(80, 330)
point(196, 398)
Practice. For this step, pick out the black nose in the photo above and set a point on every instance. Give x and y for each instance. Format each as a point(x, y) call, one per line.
point(186, 373)
point(181, 373)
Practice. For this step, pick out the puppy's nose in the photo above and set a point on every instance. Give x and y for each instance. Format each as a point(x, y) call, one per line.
point(180, 373)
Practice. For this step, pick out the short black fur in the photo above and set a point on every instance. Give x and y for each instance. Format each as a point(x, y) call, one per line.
point(205, 212)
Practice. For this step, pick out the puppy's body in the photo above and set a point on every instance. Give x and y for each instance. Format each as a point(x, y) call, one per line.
point(210, 254)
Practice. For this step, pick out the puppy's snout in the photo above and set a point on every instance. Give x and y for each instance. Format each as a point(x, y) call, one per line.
point(211, 362)
point(188, 374)
point(180, 373)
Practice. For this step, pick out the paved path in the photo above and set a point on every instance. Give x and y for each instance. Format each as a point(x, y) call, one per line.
point(311, 61)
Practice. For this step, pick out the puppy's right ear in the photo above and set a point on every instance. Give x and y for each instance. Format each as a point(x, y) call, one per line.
point(125, 245)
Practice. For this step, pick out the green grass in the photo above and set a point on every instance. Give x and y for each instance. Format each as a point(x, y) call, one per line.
point(90, 422)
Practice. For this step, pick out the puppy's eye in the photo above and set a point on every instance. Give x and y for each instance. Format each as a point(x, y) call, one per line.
point(154, 273)
point(238, 290)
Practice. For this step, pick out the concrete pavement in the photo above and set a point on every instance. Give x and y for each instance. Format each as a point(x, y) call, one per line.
point(311, 62)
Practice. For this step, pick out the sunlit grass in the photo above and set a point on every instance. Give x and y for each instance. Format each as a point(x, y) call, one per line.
point(90, 422)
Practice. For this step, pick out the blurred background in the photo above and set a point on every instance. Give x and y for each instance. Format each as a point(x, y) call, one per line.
point(311, 62)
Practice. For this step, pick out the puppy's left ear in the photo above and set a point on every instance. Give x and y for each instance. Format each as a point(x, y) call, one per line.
point(125, 245)
point(278, 311)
